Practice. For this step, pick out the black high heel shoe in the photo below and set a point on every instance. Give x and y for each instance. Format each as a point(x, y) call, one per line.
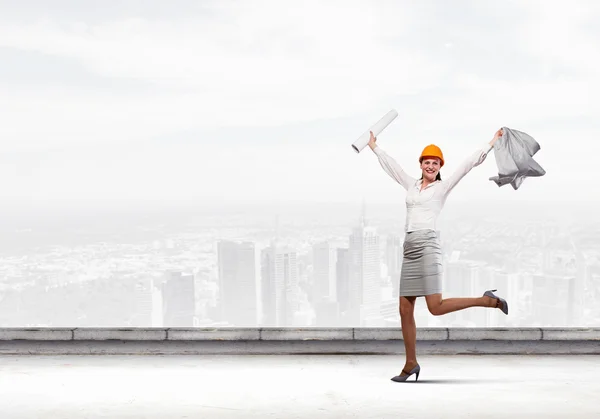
point(400, 378)
point(502, 301)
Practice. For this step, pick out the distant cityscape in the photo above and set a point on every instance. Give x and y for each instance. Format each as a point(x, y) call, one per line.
point(322, 268)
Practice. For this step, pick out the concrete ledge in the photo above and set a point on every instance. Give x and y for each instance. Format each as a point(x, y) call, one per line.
point(238, 334)
point(119, 334)
point(288, 334)
point(557, 333)
point(292, 347)
point(36, 334)
point(380, 333)
point(199, 341)
point(495, 334)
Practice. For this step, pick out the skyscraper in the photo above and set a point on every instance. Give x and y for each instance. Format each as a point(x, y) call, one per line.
point(237, 282)
point(280, 293)
point(324, 261)
point(178, 300)
point(147, 304)
point(365, 272)
point(324, 285)
point(342, 273)
point(393, 259)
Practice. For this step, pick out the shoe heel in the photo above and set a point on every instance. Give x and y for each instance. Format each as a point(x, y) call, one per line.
point(491, 294)
point(417, 375)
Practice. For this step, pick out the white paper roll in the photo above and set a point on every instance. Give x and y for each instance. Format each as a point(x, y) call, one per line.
point(379, 126)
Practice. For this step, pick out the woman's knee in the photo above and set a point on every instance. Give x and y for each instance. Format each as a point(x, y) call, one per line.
point(434, 304)
point(434, 309)
point(406, 313)
point(407, 307)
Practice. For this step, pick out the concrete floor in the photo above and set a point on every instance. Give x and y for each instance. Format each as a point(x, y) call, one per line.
point(297, 386)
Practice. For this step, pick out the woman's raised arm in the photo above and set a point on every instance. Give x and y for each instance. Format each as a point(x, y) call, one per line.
point(472, 161)
point(391, 166)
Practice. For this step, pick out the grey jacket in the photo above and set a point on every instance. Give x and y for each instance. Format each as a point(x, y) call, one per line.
point(514, 153)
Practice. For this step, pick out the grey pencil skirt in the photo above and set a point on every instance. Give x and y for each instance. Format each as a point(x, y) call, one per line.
point(422, 268)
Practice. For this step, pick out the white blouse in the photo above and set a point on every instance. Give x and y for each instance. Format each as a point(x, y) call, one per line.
point(424, 206)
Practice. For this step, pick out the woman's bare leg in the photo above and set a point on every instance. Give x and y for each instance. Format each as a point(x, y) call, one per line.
point(409, 331)
point(438, 306)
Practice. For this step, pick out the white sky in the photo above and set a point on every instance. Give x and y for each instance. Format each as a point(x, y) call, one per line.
point(243, 100)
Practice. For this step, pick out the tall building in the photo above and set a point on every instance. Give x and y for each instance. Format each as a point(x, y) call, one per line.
point(208, 309)
point(365, 275)
point(324, 284)
point(324, 261)
point(551, 300)
point(237, 283)
point(280, 293)
point(178, 300)
point(390, 313)
point(147, 304)
point(577, 293)
point(460, 278)
point(342, 274)
point(562, 259)
point(393, 261)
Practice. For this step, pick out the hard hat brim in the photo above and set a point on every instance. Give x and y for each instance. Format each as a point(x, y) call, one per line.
point(432, 157)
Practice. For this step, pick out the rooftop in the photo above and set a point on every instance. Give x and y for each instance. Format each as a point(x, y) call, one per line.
point(293, 386)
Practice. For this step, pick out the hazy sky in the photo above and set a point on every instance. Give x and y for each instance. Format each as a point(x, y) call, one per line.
point(119, 100)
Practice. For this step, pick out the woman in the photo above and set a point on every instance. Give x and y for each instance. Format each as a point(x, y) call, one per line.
point(421, 273)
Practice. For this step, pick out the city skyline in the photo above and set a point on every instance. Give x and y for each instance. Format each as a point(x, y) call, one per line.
point(297, 273)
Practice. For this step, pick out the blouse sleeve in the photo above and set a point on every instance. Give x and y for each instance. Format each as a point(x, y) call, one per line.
point(465, 167)
point(393, 169)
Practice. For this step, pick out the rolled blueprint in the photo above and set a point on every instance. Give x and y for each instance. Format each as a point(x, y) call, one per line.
point(379, 126)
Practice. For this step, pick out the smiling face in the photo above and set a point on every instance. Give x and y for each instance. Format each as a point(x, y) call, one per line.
point(430, 166)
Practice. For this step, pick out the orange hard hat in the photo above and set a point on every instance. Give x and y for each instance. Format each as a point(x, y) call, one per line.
point(432, 151)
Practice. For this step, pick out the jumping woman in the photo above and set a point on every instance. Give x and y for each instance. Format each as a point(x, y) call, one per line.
point(421, 274)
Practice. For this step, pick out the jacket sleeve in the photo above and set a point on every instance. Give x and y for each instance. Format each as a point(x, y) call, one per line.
point(392, 168)
point(465, 167)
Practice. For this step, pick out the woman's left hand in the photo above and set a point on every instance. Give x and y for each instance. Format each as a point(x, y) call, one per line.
point(498, 134)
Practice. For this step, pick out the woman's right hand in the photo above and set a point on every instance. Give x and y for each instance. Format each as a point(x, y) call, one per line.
point(372, 141)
